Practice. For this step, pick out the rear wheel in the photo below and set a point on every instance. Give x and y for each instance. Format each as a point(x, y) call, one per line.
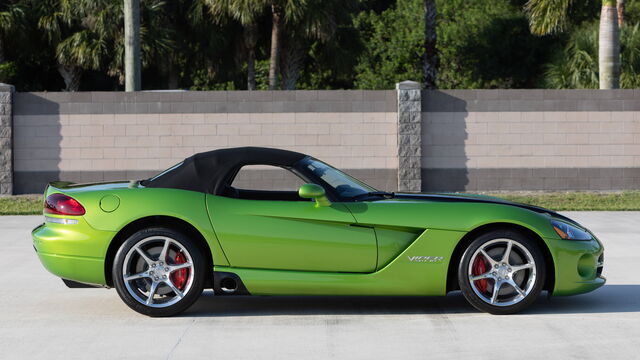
point(159, 272)
point(501, 272)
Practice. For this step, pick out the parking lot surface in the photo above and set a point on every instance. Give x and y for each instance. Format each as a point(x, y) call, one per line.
point(42, 319)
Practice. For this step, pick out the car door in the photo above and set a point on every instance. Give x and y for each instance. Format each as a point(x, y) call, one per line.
point(274, 229)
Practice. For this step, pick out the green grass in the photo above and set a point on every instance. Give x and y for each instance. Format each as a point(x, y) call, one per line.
point(560, 201)
point(576, 201)
point(21, 205)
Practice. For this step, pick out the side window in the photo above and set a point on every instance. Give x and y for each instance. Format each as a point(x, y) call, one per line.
point(266, 178)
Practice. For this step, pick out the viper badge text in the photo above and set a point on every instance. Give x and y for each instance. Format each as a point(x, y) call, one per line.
point(428, 259)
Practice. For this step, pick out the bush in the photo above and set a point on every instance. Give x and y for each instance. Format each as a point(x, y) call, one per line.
point(8, 72)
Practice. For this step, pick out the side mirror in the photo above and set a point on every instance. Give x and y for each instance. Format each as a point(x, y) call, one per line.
point(313, 191)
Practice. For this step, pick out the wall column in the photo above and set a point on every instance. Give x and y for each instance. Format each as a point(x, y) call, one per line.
point(409, 136)
point(6, 139)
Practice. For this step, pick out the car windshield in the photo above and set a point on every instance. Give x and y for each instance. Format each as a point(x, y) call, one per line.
point(345, 185)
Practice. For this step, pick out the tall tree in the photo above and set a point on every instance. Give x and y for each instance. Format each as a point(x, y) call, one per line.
point(577, 65)
point(93, 35)
point(620, 5)
point(12, 23)
point(317, 24)
point(246, 12)
point(548, 16)
point(11, 20)
point(56, 22)
point(609, 46)
point(430, 57)
point(282, 11)
point(277, 14)
point(132, 62)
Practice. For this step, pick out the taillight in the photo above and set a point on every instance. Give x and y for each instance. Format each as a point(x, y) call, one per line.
point(61, 204)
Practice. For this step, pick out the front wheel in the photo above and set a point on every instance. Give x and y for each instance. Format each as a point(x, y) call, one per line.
point(159, 272)
point(501, 272)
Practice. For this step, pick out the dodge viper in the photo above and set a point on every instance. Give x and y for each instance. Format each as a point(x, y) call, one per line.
point(161, 241)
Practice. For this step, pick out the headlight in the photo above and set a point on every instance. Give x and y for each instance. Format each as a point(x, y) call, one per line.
point(569, 232)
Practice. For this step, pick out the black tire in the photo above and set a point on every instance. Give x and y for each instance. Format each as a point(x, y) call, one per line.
point(180, 244)
point(533, 278)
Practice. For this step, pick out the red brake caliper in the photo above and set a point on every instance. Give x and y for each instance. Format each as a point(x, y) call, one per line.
point(179, 277)
point(479, 268)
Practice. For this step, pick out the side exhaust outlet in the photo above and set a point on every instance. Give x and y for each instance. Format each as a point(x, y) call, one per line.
point(228, 285)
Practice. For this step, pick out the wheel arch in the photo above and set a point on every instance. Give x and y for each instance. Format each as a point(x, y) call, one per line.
point(452, 281)
point(160, 221)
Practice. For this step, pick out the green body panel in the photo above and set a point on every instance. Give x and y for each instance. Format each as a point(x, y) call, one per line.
point(393, 241)
point(291, 235)
point(459, 216)
point(77, 252)
point(72, 251)
point(137, 202)
point(575, 265)
point(400, 277)
point(298, 247)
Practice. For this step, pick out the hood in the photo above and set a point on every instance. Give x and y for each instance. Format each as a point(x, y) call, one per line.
point(477, 199)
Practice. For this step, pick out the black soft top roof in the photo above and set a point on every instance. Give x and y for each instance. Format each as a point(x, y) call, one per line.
point(208, 171)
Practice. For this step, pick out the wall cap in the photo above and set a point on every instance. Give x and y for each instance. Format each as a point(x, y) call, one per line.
point(7, 88)
point(408, 85)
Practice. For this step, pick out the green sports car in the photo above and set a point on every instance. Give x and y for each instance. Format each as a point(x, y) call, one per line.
point(160, 242)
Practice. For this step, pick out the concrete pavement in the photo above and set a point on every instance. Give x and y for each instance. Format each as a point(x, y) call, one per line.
point(40, 318)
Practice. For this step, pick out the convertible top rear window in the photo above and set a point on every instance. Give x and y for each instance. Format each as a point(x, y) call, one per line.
point(163, 172)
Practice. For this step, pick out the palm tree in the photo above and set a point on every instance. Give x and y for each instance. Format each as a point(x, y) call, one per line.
point(88, 35)
point(317, 24)
point(55, 22)
point(430, 56)
point(577, 65)
point(282, 12)
point(620, 5)
point(132, 65)
point(11, 21)
point(548, 16)
point(246, 12)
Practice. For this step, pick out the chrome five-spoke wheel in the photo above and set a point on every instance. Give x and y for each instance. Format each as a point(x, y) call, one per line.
point(159, 272)
point(501, 272)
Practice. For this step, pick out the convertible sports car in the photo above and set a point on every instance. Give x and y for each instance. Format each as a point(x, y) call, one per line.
point(161, 241)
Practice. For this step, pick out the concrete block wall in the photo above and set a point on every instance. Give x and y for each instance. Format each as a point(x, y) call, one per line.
point(101, 136)
point(530, 140)
point(456, 140)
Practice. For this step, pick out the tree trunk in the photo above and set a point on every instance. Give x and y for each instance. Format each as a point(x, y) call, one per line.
point(132, 63)
point(71, 76)
point(276, 27)
point(293, 55)
point(620, 6)
point(609, 46)
point(1, 51)
point(430, 57)
point(250, 39)
point(173, 79)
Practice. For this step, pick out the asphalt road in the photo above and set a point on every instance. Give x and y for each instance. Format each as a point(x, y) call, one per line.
point(40, 318)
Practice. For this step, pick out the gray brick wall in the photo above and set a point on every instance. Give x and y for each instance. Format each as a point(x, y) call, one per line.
point(432, 140)
point(531, 140)
point(98, 136)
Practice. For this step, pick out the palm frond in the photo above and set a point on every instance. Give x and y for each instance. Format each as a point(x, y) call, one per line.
point(547, 16)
